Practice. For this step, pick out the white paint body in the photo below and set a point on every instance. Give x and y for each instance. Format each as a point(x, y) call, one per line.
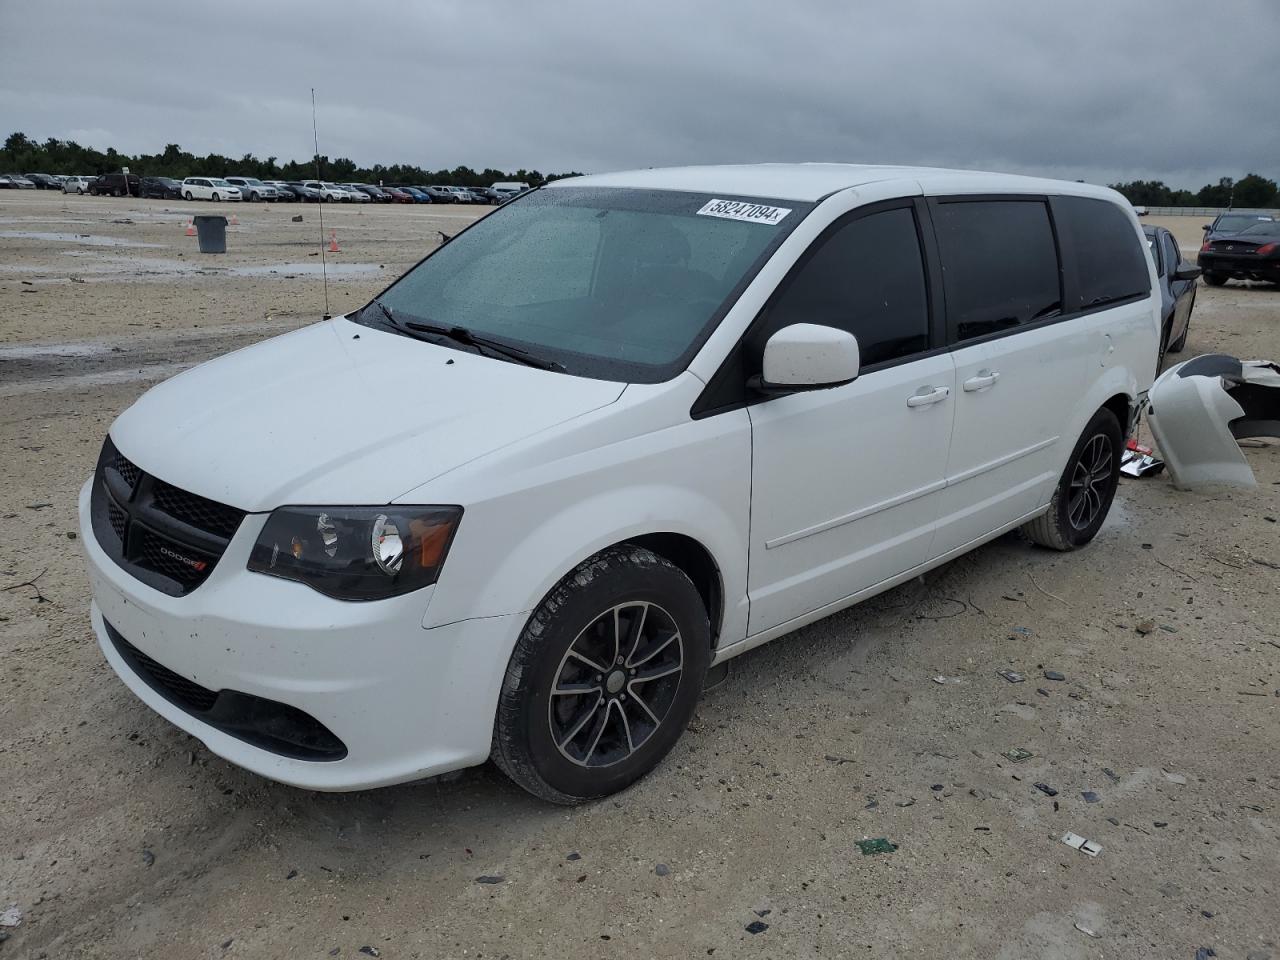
point(807, 502)
point(205, 188)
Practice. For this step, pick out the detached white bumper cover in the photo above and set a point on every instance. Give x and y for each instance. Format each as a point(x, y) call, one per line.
point(1201, 407)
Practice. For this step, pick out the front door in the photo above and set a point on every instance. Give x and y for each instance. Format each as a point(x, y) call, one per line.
point(845, 482)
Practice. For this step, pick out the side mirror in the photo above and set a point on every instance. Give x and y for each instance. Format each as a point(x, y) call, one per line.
point(1186, 271)
point(1207, 226)
point(808, 356)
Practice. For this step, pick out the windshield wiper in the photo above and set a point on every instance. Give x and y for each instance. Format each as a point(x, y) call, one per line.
point(481, 343)
point(385, 310)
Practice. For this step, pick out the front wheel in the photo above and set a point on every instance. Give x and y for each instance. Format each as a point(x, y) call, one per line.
point(1215, 279)
point(214, 198)
point(1088, 485)
point(604, 678)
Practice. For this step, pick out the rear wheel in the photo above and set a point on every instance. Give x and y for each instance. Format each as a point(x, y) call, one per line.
point(604, 678)
point(1085, 490)
point(1215, 279)
point(214, 198)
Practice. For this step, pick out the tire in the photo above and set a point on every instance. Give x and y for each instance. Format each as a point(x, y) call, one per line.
point(1095, 461)
point(562, 748)
point(253, 198)
point(214, 198)
point(1215, 279)
point(79, 191)
point(187, 195)
point(115, 193)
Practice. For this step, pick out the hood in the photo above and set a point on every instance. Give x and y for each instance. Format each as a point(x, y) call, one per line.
point(342, 414)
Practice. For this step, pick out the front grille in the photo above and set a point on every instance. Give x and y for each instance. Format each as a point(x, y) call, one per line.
point(196, 510)
point(266, 724)
point(167, 537)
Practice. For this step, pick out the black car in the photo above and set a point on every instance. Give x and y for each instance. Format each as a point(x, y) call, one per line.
point(160, 188)
point(1177, 279)
point(43, 181)
point(1251, 253)
point(376, 194)
point(115, 185)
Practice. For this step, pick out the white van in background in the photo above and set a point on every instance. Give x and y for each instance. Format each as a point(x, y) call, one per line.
point(623, 428)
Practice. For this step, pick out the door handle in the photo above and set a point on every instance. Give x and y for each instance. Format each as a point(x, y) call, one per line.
point(984, 379)
point(927, 395)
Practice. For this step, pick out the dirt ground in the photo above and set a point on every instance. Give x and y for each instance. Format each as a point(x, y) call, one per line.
point(120, 836)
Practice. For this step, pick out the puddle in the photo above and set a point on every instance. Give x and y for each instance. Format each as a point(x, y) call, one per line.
point(29, 351)
point(304, 270)
point(89, 240)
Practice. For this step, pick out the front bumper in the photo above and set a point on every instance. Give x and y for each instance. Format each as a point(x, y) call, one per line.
point(404, 701)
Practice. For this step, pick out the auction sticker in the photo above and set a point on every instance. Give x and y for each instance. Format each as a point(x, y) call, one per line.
point(738, 210)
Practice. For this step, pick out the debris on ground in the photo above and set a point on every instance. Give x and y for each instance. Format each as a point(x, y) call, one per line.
point(1086, 931)
point(1017, 754)
point(947, 680)
point(1204, 953)
point(1145, 627)
point(491, 878)
point(1175, 778)
point(1011, 675)
point(1090, 797)
point(12, 916)
point(148, 857)
point(756, 926)
point(1054, 675)
point(1139, 460)
point(1111, 775)
point(369, 951)
point(662, 870)
point(1077, 842)
point(878, 845)
point(1047, 790)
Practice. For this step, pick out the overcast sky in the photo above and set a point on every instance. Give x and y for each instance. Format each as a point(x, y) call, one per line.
point(1178, 90)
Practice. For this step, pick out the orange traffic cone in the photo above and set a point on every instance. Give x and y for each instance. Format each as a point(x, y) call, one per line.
point(333, 242)
point(234, 221)
point(191, 228)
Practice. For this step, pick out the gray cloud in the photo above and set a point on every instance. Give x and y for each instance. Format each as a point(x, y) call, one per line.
point(1096, 89)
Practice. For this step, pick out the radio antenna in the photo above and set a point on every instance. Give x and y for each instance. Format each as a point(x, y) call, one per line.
point(324, 267)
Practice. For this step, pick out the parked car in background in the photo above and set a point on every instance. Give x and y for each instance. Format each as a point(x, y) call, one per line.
point(509, 188)
point(1177, 279)
point(209, 188)
point(376, 194)
point(439, 194)
point(44, 181)
point(419, 196)
point(398, 195)
point(1232, 222)
point(160, 188)
point(357, 193)
point(6, 183)
point(1251, 253)
point(251, 188)
point(77, 184)
point(327, 192)
point(18, 182)
point(283, 193)
point(513, 510)
point(115, 185)
point(303, 192)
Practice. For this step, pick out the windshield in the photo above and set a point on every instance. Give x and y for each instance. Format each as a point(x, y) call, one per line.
point(221, 183)
point(618, 284)
point(1233, 222)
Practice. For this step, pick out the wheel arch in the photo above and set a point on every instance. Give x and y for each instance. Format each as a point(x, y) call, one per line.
point(698, 564)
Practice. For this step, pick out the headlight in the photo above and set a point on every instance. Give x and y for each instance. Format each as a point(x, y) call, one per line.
point(356, 553)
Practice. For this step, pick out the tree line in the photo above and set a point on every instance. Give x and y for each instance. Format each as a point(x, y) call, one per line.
point(1250, 191)
point(21, 154)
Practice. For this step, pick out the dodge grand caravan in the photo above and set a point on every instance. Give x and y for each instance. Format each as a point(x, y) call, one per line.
point(623, 429)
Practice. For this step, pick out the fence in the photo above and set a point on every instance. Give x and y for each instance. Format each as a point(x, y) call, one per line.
point(1201, 211)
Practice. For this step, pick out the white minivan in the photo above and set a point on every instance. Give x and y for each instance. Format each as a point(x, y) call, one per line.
point(619, 431)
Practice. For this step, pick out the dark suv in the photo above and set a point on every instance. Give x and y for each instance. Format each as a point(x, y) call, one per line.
point(161, 188)
point(115, 185)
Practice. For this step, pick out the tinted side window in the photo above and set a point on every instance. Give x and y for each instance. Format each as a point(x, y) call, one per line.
point(868, 278)
point(1107, 252)
point(999, 265)
point(1172, 255)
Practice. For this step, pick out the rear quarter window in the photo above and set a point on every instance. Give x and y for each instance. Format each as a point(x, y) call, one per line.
point(1105, 249)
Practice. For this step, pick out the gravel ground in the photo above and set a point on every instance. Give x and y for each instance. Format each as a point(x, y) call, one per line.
point(123, 837)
